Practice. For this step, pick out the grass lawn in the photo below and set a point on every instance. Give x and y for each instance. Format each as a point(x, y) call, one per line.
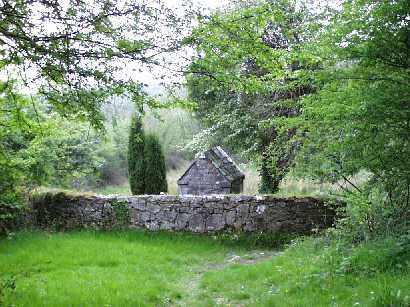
point(135, 268)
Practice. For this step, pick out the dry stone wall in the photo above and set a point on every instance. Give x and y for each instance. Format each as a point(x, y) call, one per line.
point(200, 214)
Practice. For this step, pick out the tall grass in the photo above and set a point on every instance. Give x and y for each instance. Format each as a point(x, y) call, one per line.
point(290, 186)
point(173, 175)
point(123, 189)
point(252, 179)
point(314, 272)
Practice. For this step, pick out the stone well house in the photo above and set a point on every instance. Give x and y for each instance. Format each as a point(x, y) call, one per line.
point(213, 172)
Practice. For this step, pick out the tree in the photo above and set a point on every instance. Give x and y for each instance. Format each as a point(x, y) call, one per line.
point(146, 162)
point(155, 172)
point(136, 162)
point(39, 147)
point(251, 70)
point(73, 55)
point(359, 119)
point(76, 54)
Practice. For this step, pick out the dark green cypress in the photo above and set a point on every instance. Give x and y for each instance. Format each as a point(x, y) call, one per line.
point(155, 173)
point(136, 167)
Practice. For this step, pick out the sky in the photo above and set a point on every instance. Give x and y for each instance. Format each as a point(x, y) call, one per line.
point(150, 77)
point(146, 76)
point(206, 3)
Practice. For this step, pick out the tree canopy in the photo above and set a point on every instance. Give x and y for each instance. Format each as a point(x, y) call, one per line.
point(252, 68)
point(359, 118)
point(76, 54)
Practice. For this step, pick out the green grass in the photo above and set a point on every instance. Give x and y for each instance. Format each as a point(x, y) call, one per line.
point(135, 268)
point(129, 268)
point(100, 269)
point(314, 273)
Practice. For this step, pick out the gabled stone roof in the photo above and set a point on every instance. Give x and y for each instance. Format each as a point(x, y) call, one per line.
point(222, 161)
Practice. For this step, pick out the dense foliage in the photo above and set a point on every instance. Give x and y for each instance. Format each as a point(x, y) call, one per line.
point(360, 118)
point(79, 53)
point(69, 58)
point(251, 68)
point(136, 162)
point(154, 161)
point(329, 87)
point(146, 162)
point(11, 166)
point(321, 90)
point(37, 147)
point(324, 92)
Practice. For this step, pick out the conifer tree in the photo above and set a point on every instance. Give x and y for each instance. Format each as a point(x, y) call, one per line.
point(136, 166)
point(155, 173)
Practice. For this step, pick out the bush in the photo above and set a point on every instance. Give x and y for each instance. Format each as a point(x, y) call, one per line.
point(155, 172)
point(12, 200)
point(369, 214)
point(12, 208)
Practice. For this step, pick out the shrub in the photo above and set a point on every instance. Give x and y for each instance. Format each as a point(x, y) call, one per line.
point(155, 172)
point(369, 213)
point(12, 208)
point(136, 168)
point(12, 194)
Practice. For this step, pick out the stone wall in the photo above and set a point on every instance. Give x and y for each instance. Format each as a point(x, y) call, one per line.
point(201, 214)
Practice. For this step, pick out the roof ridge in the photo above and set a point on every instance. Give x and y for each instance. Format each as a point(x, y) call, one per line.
point(221, 161)
point(228, 167)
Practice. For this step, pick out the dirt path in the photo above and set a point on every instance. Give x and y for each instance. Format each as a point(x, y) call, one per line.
point(248, 258)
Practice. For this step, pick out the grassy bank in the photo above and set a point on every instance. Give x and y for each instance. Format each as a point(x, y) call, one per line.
point(315, 273)
point(144, 269)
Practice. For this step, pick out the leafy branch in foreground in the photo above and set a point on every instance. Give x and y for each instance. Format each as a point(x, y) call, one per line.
point(79, 53)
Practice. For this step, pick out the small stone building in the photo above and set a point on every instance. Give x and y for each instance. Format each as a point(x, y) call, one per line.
point(213, 172)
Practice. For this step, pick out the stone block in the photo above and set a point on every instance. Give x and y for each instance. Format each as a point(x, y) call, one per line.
point(215, 222)
point(143, 217)
point(138, 204)
point(230, 217)
point(152, 225)
point(242, 211)
point(197, 223)
point(165, 225)
point(181, 221)
point(153, 208)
